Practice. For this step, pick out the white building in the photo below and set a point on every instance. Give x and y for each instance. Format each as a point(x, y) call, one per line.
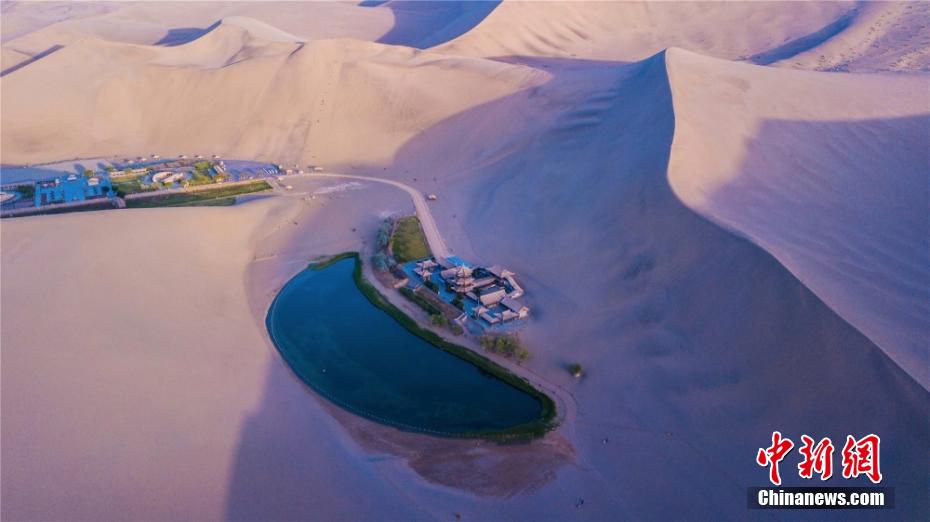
point(520, 310)
point(167, 176)
point(491, 295)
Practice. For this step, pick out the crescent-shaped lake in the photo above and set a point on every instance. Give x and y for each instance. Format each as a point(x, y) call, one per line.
point(362, 359)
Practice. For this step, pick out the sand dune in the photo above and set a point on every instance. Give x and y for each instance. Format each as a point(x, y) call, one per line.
point(865, 36)
point(826, 172)
point(727, 248)
point(10, 58)
point(698, 341)
point(630, 31)
point(426, 23)
point(150, 379)
point(138, 97)
point(35, 27)
point(888, 36)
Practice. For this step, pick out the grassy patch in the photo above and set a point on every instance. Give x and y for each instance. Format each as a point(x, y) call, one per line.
point(210, 197)
point(530, 430)
point(200, 177)
point(124, 186)
point(220, 202)
point(408, 242)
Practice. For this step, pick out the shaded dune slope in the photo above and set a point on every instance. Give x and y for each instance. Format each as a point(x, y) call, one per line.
point(629, 31)
point(828, 173)
point(426, 23)
point(698, 341)
point(846, 36)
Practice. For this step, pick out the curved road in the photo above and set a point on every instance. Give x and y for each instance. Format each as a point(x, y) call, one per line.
point(433, 237)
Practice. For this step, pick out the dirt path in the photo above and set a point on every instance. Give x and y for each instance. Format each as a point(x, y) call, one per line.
point(433, 237)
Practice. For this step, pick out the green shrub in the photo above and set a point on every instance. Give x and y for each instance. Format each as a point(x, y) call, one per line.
point(380, 261)
point(576, 370)
point(507, 345)
point(26, 191)
point(384, 234)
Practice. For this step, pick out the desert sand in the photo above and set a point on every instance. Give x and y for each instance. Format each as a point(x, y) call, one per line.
point(719, 210)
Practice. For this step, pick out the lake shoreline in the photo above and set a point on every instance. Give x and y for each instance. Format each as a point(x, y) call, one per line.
point(526, 431)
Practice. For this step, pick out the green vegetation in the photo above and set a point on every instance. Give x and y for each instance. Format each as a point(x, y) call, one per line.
point(576, 370)
point(131, 185)
point(409, 243)
point(507, 345)
point(420, 301)
point(88, 173)
point(209, 197)
point(530, 430)
point(380, 260)
point(436, 316)
point(219, 202)
point(201, 174)
point(200, 177)
point(384, 234)
point(26, 191)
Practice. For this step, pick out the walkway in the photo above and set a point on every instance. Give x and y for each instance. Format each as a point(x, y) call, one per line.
point(425, 215)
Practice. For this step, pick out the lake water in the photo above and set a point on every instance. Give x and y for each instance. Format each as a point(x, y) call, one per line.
point(360, 358)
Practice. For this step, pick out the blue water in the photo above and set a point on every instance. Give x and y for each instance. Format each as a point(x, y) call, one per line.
point(360, 358)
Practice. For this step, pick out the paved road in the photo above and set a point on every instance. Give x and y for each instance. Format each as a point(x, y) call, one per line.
point(433, 237)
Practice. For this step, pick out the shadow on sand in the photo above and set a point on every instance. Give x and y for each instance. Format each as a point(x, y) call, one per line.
point(183, 35)
point(688, 397)
point(416, 22)
point(31, 60)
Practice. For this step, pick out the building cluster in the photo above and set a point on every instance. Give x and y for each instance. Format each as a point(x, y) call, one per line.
point(70, 188)
point(168, 176)
point(169, 172)
point(298, 169)
point(491, 294)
